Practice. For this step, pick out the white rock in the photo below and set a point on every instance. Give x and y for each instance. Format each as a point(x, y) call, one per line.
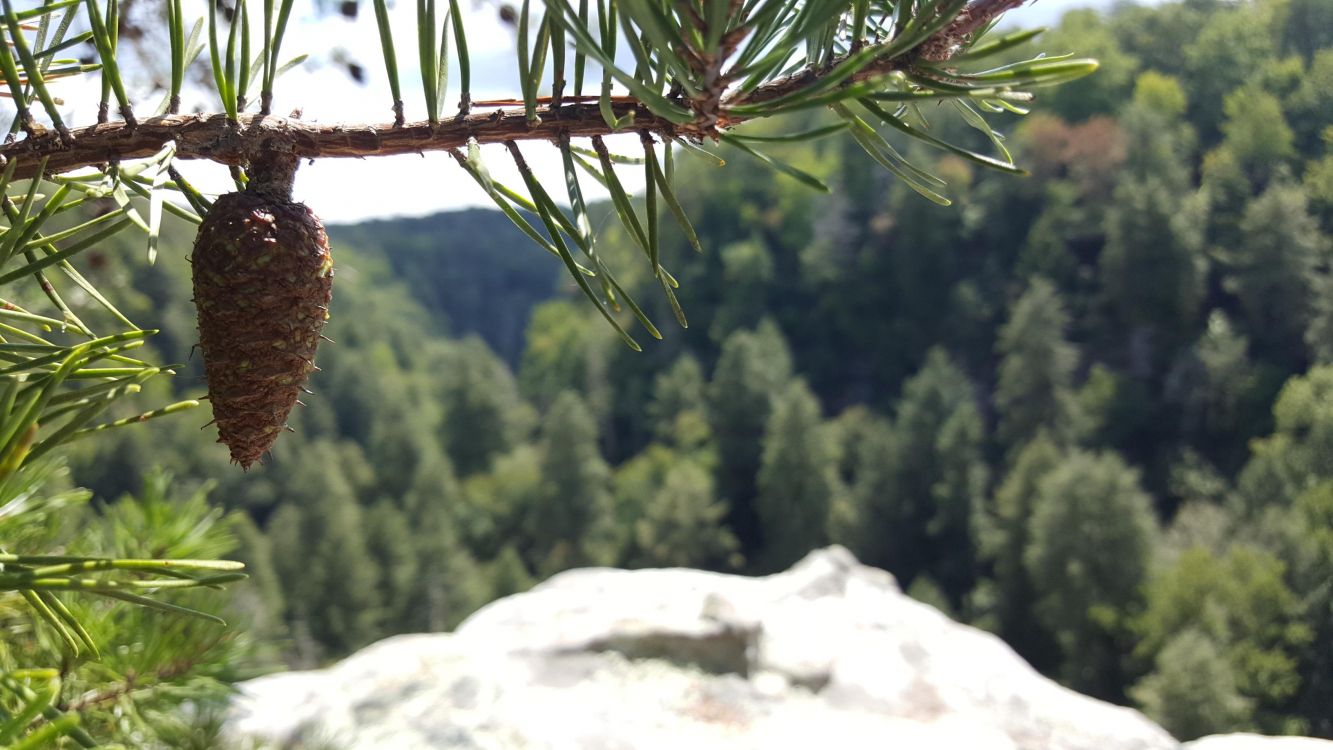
point(1256, 742)
point(827, 653)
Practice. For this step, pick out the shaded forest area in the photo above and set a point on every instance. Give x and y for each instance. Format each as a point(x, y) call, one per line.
point(1090, 409)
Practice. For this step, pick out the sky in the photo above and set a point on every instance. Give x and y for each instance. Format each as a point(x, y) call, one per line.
point(351, 190)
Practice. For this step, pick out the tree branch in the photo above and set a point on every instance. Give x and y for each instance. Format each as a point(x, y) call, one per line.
point(215, 138)
point(218, 139)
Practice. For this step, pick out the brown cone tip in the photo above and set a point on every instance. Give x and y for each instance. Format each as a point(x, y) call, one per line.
point(263, 279)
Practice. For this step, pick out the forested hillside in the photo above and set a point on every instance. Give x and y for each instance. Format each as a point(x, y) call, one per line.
point(469, 269)
point(1090, 409)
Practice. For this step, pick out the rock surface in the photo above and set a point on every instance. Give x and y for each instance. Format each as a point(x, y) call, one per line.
point(1256, 742)
point(828, 652)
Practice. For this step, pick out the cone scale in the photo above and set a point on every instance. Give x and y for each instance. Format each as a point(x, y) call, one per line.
point(263, 280)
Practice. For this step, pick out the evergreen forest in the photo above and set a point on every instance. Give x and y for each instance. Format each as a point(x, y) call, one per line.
point(1089, 409)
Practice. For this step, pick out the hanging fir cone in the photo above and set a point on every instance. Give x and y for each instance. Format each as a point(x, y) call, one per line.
point(263, 279)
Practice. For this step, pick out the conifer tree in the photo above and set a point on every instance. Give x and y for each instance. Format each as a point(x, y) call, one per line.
point(679, 410)
point(868, 468)
point(493, 512)
point(1092, 532)
point(571, 524)
point(681, 523)
point(1153, 268)
point(1034, 390)
point(401, 446)
point(388, 537)
point(1219, 389)
point(1241, 603)
point(262, 598)
point(555, 359)
point(797, 479)
point(931, 487)
point(508, 574)
point(1256, 133)
point(1319, 333)
point(1295, 457)
point(484, 416)
point(448, 584)
point(1005, 537)
point(1232, 42)
point(319, 541)
point(1191, 691)
point(753, 369)
point(1273, 266)
point(445, 585)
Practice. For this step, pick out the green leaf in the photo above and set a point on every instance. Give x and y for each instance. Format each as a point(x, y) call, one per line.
point(427, 61)
point(1030, 73)
point(243, 66)
point(24, 229)
point(977, 122)
point(168, 410)
point(39, 605)
point(580, 58)
point(650, 205)
point(663, 183)
point(442, 75)
point(55, 605)
point(620, 198)
point(279, 30)
point(996, 46)
point(33, 69)
point(54, 258)
point(807, 135)
point(553, 229)
point(464, 66)
point(52, 714)
point(34, 705)
point(219, 65)
point(666, 35)
point(986, 161)
point(575, 192)
point(527, 84)
point(390, 57)
point(473, 166)
point(43, 736)
point(144, 601)
point(888, 157)
point(844, 70)
point(157, 197)
point(800, 175)
point(662, 107)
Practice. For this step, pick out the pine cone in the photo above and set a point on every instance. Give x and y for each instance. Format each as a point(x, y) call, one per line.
point(263, 279)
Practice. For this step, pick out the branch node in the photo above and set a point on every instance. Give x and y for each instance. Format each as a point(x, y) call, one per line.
point(273, 172)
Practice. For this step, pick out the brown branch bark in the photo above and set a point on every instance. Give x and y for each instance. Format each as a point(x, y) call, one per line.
point(215, 138)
